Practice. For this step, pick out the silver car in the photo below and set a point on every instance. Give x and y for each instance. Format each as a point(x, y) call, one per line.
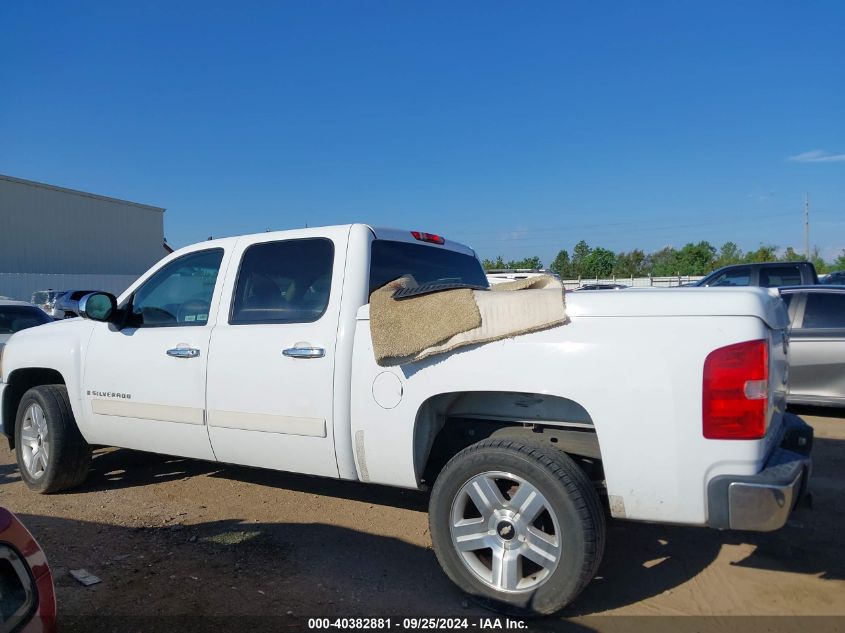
point(817, 344)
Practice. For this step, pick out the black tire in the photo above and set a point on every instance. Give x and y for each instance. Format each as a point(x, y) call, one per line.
point(570, 496)
point(69, 454)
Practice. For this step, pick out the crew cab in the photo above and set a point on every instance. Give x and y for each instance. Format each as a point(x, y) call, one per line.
point(647, 405)
point(765, 275)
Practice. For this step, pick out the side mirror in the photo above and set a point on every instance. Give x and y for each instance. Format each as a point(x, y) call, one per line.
point(97, 306)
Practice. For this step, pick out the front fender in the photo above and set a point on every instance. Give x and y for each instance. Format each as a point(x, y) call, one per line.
point(58, 347)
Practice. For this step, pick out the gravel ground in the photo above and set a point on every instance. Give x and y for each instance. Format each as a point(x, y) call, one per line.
point(169, 537)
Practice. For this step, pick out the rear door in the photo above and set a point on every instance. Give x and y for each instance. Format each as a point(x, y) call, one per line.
point(271, 368)
point(817, 354)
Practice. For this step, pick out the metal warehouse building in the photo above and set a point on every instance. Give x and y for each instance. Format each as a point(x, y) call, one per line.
point(61, 239)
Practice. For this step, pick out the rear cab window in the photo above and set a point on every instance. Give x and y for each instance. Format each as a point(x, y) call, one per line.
point(775, 276)
point(426, 264)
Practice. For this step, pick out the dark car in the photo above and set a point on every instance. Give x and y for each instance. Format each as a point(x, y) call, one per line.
point(66, 306)
point(817, 344)
point(836, 278)
point(767, 275)
point(19, 315)
point(601, 287)
point(27, 595)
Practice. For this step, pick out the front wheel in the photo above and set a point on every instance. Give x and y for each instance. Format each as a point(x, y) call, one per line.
point(518, 527)
point(51, 452)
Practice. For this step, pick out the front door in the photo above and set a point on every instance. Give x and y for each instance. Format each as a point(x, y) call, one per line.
point(271, 369)
point(144, 385)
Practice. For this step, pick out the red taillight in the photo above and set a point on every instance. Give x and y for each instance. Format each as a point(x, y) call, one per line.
point(736, 391)
point(428, 237)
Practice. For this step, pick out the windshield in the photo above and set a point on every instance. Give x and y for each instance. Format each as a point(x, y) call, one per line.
point(16, 318)
point(427, 264)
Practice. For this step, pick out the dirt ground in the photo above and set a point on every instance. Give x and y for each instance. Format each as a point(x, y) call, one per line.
point(169, 536)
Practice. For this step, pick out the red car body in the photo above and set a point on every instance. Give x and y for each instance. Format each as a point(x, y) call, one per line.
point(26, 584)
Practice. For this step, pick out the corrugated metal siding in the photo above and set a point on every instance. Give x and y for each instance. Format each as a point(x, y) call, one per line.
point(45, 229)
point(21, 286)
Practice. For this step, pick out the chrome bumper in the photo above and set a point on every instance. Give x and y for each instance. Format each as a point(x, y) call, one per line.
point(763, 502)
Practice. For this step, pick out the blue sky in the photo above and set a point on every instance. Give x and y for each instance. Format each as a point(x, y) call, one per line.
point(518, 128)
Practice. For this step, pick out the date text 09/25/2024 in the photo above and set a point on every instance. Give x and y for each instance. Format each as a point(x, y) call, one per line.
point(415, 624)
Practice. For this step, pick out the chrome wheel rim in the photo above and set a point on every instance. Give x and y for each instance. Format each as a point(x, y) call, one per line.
point(35, 445)
point(505, 532)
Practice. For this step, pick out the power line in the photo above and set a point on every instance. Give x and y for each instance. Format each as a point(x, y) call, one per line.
point(649, 226)
point(645, 224)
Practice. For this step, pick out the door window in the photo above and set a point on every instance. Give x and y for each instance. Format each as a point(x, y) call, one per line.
point(775, 276)
point(824, 310)
point(283, 282)
point(735, 277)
point(179, 294)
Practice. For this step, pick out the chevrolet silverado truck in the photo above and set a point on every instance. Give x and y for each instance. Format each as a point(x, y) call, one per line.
point(647, 405)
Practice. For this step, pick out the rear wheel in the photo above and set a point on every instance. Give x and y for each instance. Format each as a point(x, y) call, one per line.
point(518, 527)
point(52, 455)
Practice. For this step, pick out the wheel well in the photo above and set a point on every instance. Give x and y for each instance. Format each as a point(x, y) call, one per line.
point(448, 423)
point(20, 381)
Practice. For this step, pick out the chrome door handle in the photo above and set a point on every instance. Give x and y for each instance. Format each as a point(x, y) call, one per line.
point(183, 352)
point(303, 351)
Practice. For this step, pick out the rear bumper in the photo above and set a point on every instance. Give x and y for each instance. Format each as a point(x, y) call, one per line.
point(763, 502)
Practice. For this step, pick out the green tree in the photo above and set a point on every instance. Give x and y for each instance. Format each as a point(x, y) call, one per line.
point(562, 266)
point(695, 259)
point(490, 264)
point(766, 253)
point(630, 264)
point(528, 262)
point(579, 254)
point(729, 254)
point(789, 255)
point(818, 261)
point(663, 263)
point(598, 263)
point(499, 262)
point(839, 262)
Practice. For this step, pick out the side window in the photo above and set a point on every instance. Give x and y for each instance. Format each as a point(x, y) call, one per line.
point(774, 276)
point(735, 277)
point(824, 310)
point(283, 282)
point(179, 294)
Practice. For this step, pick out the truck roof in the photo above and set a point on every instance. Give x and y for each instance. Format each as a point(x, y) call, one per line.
point(405, 235)
point(381, 233)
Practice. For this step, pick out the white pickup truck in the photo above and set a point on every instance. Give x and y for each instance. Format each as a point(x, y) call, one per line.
point(648, 405)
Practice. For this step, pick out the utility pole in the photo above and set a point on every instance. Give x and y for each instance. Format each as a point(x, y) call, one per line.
point(807, 226)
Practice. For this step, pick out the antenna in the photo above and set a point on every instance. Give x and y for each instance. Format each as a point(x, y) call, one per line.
point(807, 226)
